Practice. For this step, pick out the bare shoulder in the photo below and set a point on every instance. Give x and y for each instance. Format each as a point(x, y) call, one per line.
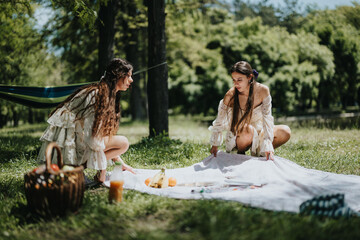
point(263, 90)
point(229, 96)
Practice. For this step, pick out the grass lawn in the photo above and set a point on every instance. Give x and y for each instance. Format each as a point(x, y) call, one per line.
point(143, 216)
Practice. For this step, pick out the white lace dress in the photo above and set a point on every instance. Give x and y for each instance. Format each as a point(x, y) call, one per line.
point(261, 120)
point(74, 138)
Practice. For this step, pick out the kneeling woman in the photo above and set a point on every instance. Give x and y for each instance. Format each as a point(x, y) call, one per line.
point(245, 113)
point(85, 124)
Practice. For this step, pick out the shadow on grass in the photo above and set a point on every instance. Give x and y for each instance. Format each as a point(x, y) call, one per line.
point(13, 147)
point(27, 128)
point(161, 150)
point(9, 156)
point(12, 191)
point(24, 215)
point(156, 142)
point(156, 150)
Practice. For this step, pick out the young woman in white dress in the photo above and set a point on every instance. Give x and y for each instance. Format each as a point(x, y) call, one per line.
point(84, 126)
point(245, 113)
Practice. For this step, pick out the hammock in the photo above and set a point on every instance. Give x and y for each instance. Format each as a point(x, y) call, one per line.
point(46, 97)
point(38, 97)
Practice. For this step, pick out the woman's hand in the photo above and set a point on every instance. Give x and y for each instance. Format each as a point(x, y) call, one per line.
point(126, 167)
point(214, 150)
point(269, 156)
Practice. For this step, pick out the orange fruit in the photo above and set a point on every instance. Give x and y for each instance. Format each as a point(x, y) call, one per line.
point(147, 181)
point(172, 182)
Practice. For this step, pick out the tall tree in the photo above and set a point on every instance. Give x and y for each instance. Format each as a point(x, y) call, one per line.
point(19, 44)
point(264, 9)
point(76, 42)
point(157, 87)
point(291, 15)
point(133, 19)
point(337, 29)
point(107, 15)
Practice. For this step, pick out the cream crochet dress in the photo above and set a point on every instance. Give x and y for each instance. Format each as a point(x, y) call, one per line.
point(74, 138)
point(261, 120)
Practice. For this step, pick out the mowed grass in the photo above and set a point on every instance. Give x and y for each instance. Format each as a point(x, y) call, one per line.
point(143, 216)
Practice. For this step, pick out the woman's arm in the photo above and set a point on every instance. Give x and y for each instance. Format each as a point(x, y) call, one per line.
point(220, 124)
point(268, 124)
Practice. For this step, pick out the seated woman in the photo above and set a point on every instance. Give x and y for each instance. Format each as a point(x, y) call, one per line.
point(245, 113)
point(84, 126)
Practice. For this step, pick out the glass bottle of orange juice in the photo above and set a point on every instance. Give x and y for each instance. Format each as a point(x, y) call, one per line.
point(116, 184)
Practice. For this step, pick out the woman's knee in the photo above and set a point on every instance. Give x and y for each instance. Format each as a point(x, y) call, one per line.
point(117, 142)
point(284, 132)
point(124, 142)
point(244, 139)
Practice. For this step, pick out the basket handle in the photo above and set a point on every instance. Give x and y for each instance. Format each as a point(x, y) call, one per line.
point(48, 157)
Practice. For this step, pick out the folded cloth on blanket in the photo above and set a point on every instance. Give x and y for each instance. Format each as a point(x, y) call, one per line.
point(280, 185)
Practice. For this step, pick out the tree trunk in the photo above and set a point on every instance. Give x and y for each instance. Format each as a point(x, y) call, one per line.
point(30, 116)
point(157, 87)
point(131, 40)
point(16, 117)
point(3, 120)
point(106, 33)
point(143, 60)
point(136, 101)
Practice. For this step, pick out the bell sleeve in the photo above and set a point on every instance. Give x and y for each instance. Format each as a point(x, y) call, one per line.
point(220, 124)
point(268, 126)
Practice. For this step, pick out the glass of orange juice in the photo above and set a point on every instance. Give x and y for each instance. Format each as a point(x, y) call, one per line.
point(116, 184)
point(116, 191)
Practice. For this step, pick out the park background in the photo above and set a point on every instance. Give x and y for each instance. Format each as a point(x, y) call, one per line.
point(307, 54)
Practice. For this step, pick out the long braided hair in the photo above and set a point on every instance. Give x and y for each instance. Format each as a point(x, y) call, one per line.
point(239, 124)
point(107, 99)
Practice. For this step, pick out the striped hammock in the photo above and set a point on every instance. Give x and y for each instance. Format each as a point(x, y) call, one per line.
point(46, 97)
point(38, 97)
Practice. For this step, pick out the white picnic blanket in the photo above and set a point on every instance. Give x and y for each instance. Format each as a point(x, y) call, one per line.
point(280, 185)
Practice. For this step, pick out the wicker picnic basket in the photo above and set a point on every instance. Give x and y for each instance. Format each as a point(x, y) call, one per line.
point(53, 193)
